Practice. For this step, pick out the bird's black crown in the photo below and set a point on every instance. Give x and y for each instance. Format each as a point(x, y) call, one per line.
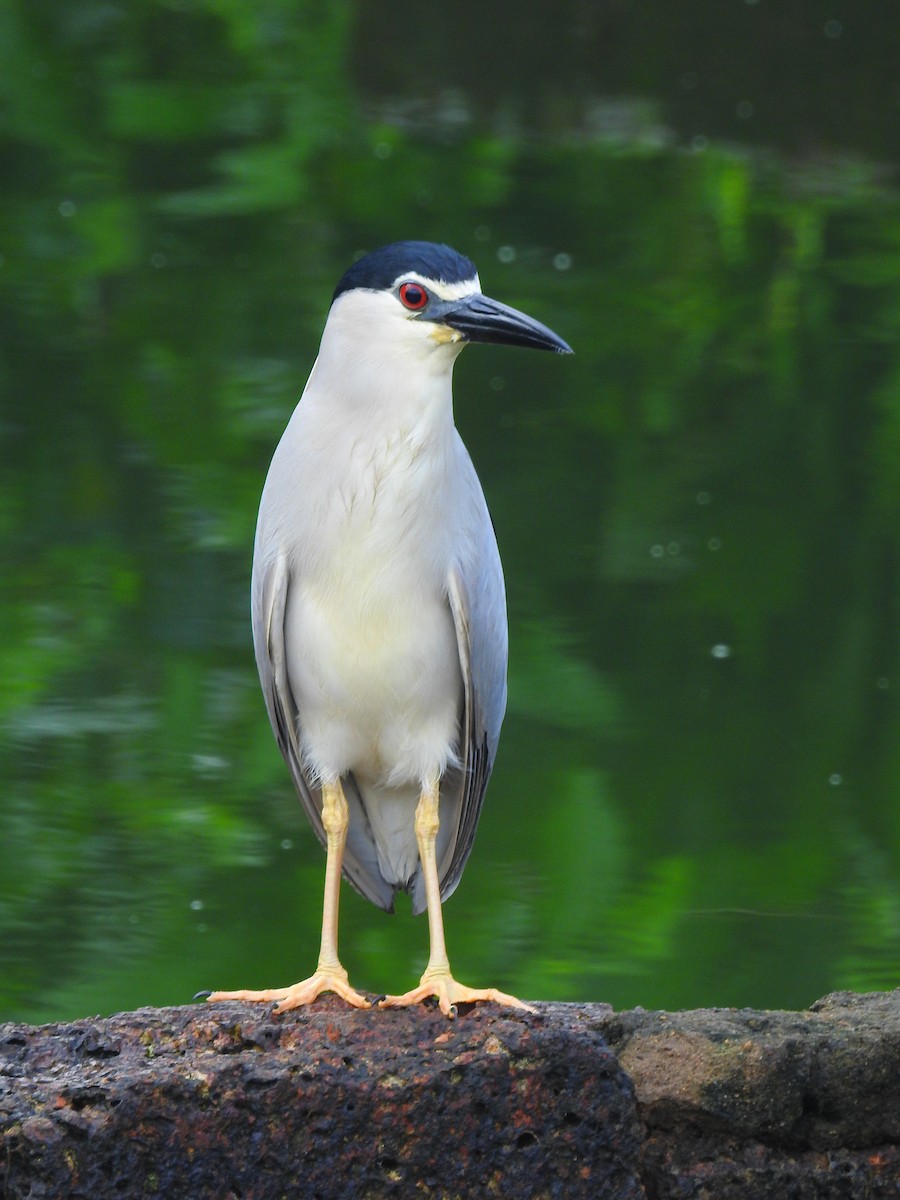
point(378, 270)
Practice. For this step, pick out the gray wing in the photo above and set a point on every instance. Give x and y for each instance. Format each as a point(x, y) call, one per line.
point(477, 601)
point(269, 601)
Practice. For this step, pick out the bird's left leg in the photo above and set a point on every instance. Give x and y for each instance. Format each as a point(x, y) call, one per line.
point(437, 979)
point(330, 975)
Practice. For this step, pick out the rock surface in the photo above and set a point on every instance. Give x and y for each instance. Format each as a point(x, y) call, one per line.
point(228, 1101)
point(739, 1103)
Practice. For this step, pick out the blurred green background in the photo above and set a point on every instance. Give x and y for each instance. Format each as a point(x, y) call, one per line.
point(697, 795)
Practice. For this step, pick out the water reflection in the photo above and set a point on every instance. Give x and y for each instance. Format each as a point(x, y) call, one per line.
point(694, 800)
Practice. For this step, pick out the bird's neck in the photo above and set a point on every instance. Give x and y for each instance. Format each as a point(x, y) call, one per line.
point(382, 395)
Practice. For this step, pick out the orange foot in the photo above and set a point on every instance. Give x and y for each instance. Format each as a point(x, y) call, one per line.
point(326, 979)
point(450, 993)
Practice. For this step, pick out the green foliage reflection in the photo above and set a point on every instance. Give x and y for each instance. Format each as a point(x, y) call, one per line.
point(695, 800)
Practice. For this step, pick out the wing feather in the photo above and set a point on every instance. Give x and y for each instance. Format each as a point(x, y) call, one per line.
point(477, 600)
point(270, 597)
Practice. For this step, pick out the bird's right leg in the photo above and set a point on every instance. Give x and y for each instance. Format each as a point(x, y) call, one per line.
point(438, 980)
point(330, 975)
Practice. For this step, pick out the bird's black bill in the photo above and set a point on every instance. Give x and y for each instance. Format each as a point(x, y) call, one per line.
point(480, 319)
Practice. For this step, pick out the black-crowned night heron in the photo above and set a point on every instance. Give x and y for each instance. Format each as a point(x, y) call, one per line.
point(379, 613)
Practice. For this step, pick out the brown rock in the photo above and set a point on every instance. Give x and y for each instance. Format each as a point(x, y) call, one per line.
point(229, 1101)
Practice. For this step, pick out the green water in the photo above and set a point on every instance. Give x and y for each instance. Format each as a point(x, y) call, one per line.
point(697, 795)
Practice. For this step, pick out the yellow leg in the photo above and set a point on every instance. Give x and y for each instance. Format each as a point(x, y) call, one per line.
point(330, 976)
point(437, 979)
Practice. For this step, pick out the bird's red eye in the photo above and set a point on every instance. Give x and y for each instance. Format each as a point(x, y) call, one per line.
point(413, 296)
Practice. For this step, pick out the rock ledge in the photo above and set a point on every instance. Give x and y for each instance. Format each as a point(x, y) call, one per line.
point(227, 1101)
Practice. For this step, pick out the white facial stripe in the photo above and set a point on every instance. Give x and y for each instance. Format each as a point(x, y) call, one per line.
point(443, 291)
